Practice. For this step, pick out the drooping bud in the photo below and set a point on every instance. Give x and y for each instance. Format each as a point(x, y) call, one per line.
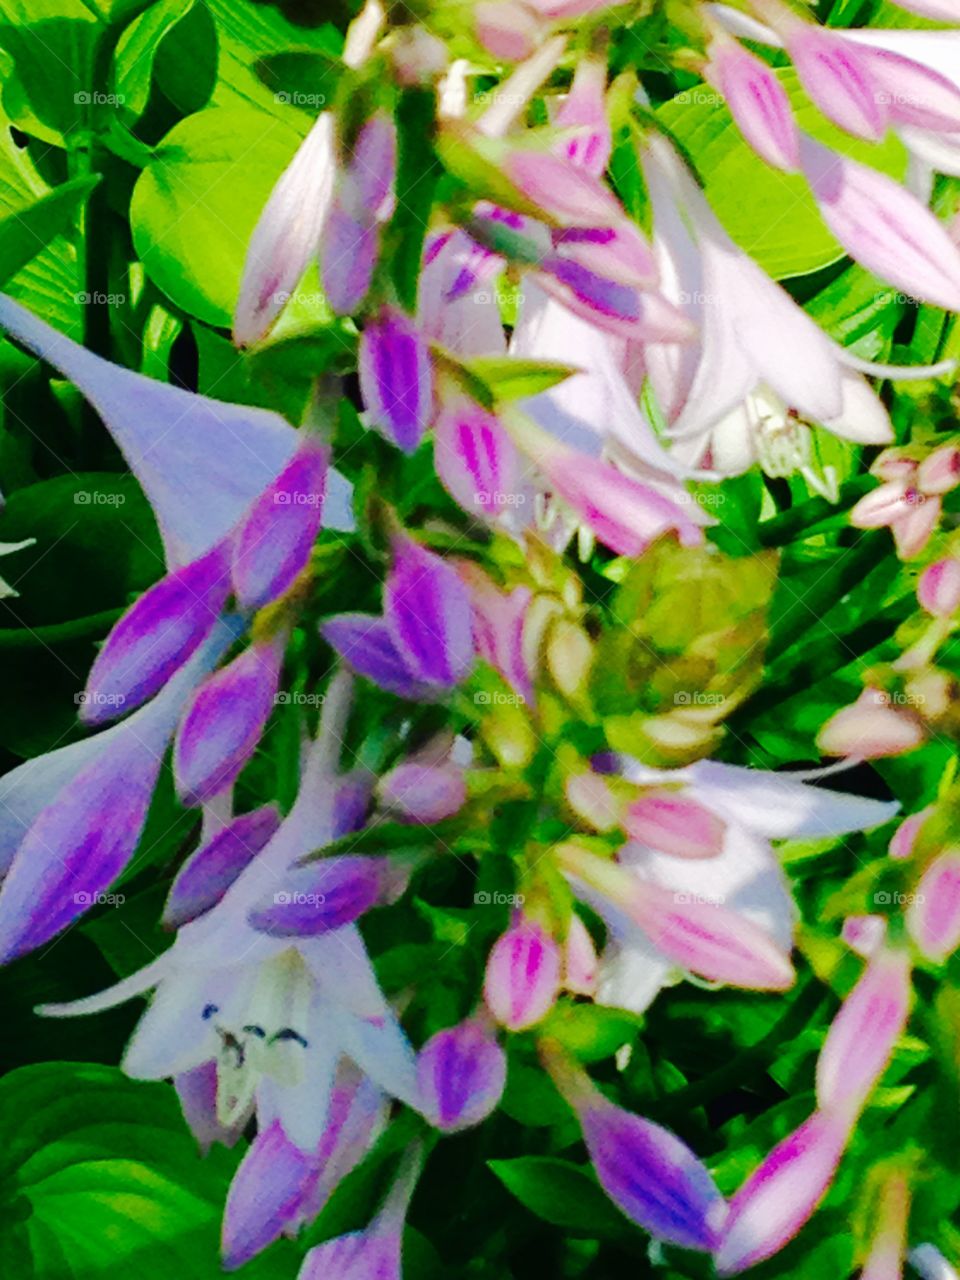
point(757, 100)
point(863, 1034)
point(478, 462)
point(522, 980)
point(461, 1073)
point(207, 874)
point(396, 378)
point(273, 544)
point(938, 590)
point(871, 728)
point(933, 918)
point(322, 896)
point(428, 611)
point(673, 823)
point(580, 960)
point(225, 721)
point(156, 636)
point(423, 793)
point(905, 837)
point(781, 1195)
point(837, 74)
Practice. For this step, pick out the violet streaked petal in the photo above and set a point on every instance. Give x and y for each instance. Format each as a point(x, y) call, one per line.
point(350, 248)
point(156, 636)
point(321, 897)
point(916, 94)
point(563, 190)
point(933, 918)
point(273, 544)
point(200, 462)
point(360, 1255)
point(396, 378)
point(674, 823)
point(884, 227)
point(197, 1094)
point(864, 1032)
point(477, 461)
point(780, 1196)
point(427, 608)
point(224, 723)
point(366, 644)
point(758, 103)
point(522, 978)
point(288, 232)
point(585, 110)
point(265, 1196)
point(372, 170)
point(209, 872)
point(653, 1177)
point(839, 77)
point(461, 1072)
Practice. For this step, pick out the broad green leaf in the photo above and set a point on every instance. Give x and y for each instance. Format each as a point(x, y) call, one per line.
point(510, 378)
point(771, 215)
point(52, 45)
point(561, 1193)
point(194, 208)
point(24, 234)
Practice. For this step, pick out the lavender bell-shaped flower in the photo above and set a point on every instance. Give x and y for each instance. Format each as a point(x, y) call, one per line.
point(522, 979)
point(396, 378)
point(225, 721)
point(422, 646)
point(652, 1177)
point(73, 818)
point(461, 1072)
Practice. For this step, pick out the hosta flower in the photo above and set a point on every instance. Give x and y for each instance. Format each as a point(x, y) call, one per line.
point(462, 1072)
point(909, 502)
point(760, 361)
point(276, 1013)
point(728, 916)
point(422, 646)
point(396, 378)
point(522, 979)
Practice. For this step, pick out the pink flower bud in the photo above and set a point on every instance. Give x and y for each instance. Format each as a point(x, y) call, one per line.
point(758, 103)
point(523, 975)
point(938, 590)
point(939, 472)
point(864, 934)
point(423, 793)
point(862, 1036)
point(905, 837)
point(580, 960)
point(507, 30)
point(585, 109)
point(673, 823)
point(933, 918)
point(776, 1201)
point(838, 75)
point(870, 729)
point(461, 1073)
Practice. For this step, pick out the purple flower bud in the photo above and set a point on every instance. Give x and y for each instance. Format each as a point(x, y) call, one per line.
point(565, 191)
point(938, 590)
point(372, 171)
point(933, 918)
point(274, 542)
point(838, 76)
point(207, 874)
point(427, 608)
point(776, 1200)
point(225, 722)
point(266, 1195)
point(758, 102)
point(366, 643)
point(396, 378)
point(652, 1176)
point(863, 1034)
point(156, 636)
point(350, 248)
point(322, 896)
point(522, 979)
point(423, 793)
point(359, 1255)
point(461, 1073)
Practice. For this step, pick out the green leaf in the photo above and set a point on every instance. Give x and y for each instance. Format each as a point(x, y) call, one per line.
point(52, 44)
point(194, 208)
point(24, 234)
point(562, 1194)
point(771, 215)
point(510, 378)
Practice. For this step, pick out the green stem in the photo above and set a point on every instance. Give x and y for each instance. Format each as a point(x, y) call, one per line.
point(88, 628)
